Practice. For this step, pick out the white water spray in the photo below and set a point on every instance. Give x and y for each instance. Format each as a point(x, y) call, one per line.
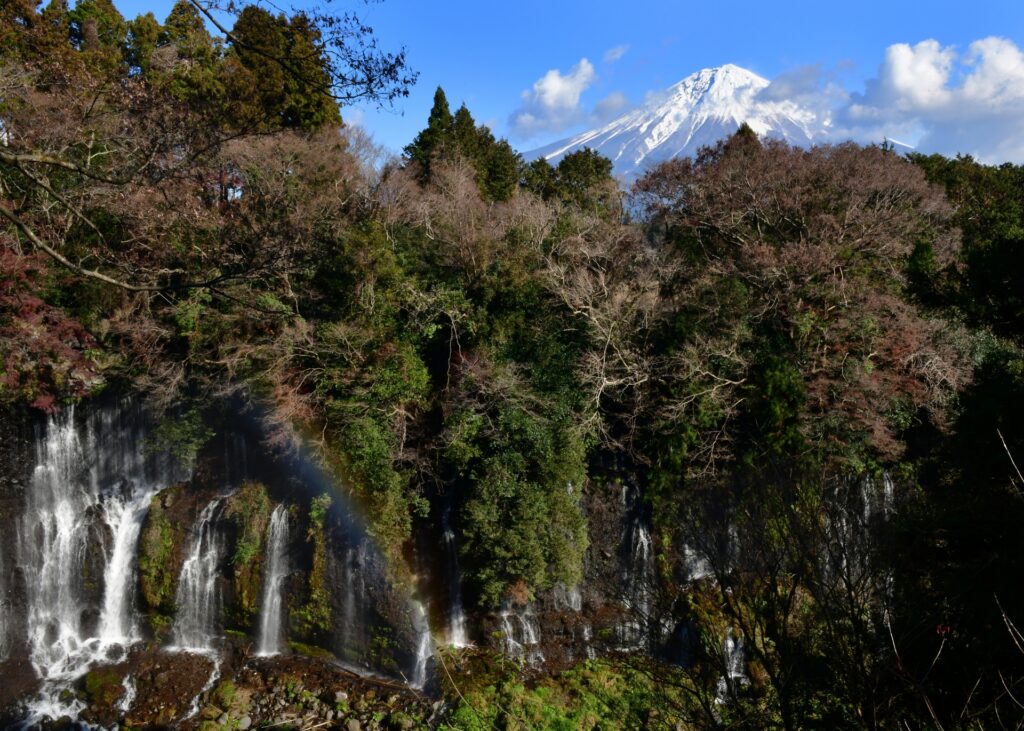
point(520, 635)
point(272, 609)
point(424, 646)
point(198, 595)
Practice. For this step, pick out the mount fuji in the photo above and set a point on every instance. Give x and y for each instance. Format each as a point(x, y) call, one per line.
point(700, 110)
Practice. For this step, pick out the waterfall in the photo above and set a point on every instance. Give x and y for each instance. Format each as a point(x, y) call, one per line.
point(697, 564)
point(734, 664)
point(638, 582)
point(207, 687)
point(520, 635)
point(90, 490)
point(276, 570)
point(457, 636)
point(124, 519)
point(198, 595)
point(588, 639)
point(567, 599)
point(424, 646)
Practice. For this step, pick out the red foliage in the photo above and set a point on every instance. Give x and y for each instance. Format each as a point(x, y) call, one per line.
point(43, 352)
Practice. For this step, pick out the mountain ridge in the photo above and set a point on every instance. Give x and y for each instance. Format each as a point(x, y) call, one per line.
point(699, 110)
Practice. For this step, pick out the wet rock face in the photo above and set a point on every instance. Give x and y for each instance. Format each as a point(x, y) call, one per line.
point(16, 462)
point(154, 689)
point(151, 689)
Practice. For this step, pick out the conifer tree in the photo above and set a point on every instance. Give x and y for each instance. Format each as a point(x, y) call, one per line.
point(143, 37)
point(465, 137)
point(96, 25)
point(184, 27)
point(432, 139)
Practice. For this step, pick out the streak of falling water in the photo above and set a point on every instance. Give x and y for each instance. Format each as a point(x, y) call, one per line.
point(424, 646)
point(638, 583)
point(272, 608)
point(734, 661)
point(198, 596)
point(520, 635)
point(457, 636)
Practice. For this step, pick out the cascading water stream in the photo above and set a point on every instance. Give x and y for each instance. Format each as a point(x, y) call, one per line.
point(520, 635)
point(424, 646)
point(272, 608)
point(198, 596)
point(91, 489)
point(638, 582)
point(734, 662)
point(457, 636)
point(124, 519)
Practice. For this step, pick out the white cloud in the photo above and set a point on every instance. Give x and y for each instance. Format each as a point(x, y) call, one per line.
point(945, 101)
point(614, 54)
point(554, 102)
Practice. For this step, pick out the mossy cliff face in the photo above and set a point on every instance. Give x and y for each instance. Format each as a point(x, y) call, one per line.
point(161, 546)
point(312, 621)
point(248, 511)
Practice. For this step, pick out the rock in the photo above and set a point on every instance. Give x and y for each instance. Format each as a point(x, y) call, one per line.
point(354, 725)
point(340, 697)
point(329, 716)
point(245, 723)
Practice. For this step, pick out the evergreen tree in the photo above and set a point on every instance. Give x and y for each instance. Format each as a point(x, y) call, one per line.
point(581, 172)
point(143, 36)
point(540, 178)
point(184, 26)
point(283, 66)
point(496, 164)
point(429, 141)
point(500, 165)
point(308, 101)
point(96, 25)
point(465, 138)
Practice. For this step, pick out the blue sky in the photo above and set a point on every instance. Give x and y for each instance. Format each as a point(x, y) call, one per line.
point(488, 54)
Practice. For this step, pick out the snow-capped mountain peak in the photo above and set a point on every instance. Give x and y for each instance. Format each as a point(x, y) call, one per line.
point(699, 110)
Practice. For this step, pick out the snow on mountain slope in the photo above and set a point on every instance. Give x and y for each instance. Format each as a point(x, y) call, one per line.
point(700, 110)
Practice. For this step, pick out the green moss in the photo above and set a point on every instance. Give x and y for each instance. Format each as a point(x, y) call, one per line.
point(103, 686)
point(319, 653)
point(157, 572)
point(249, 509)
point(313, 620)
point(224, 694)
point(161, 624)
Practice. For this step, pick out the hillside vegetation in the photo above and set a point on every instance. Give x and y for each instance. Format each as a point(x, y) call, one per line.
point(752, 331)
